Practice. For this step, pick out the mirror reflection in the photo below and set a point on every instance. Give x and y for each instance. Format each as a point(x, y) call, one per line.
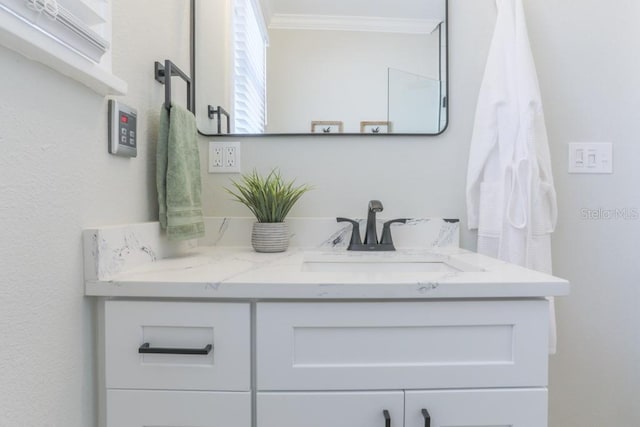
point(330, 67)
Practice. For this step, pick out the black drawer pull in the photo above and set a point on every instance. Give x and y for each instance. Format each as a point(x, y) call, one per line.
point(387, 418)
point(147, 349)
point(427, 418)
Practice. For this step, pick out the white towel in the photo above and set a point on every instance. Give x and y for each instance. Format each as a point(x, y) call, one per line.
point(511, 199)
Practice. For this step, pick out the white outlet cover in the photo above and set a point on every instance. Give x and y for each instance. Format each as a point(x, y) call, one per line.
point(219, 160)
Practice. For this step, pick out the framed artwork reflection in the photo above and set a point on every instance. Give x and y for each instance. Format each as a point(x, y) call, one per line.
point(326, 126)
point(375, 127)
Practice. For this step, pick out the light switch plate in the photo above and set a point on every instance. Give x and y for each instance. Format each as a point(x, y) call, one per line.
point(590, 157)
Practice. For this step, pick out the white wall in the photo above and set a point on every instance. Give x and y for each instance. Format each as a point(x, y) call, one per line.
point(56, 178)
point(590, 79)
point(589, 75)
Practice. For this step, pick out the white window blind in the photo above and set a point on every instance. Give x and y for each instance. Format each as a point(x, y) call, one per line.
point(249, 68)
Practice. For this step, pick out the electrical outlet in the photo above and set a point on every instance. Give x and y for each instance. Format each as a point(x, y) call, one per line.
point(230, 156)
point(224, 157)
point(216, 151)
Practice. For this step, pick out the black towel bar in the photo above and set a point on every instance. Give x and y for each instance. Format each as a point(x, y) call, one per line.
point(219, 111)
point(170, 69)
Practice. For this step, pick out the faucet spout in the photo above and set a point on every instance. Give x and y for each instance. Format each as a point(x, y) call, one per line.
point(375, 205)
point(371, 235)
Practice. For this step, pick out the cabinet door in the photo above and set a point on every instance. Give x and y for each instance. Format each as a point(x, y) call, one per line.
point(143, 408)
point(477, 408)
point(336, 409)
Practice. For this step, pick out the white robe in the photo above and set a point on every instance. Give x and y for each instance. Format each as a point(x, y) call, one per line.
point(511, 199)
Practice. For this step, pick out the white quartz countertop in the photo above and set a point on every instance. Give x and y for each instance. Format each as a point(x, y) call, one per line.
point(240, 273)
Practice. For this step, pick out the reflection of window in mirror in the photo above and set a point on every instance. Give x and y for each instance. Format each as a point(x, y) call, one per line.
point(249, 68)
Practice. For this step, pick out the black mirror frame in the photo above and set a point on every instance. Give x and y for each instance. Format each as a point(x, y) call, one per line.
point(192, 52)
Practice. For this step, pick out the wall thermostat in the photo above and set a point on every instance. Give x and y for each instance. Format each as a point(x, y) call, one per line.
point(123, 135)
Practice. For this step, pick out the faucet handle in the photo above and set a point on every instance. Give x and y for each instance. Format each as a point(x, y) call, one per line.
point(386, 231)
point(356, 240)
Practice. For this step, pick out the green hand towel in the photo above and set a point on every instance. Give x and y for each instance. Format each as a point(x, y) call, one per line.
point(178, 175)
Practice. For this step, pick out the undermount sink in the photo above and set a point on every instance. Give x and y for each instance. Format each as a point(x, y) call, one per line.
point(378, 263)
point(378, 267)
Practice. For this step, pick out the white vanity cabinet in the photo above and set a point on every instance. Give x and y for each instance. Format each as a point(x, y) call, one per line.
point(391, 363)
point(172, 364)
point(272, 343)
point(471, 363)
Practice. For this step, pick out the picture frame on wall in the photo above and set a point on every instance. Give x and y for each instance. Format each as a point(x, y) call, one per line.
point(375, 127)
point(327, 126)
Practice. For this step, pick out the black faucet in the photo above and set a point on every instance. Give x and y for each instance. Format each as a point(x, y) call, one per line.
point(371, 235)
point(371, 242)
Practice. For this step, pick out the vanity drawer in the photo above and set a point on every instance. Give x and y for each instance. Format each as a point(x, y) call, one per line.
point(401, 345)
point(177, 327)
point(142, 408)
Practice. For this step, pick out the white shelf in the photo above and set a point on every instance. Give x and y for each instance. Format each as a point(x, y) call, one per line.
point(28, 40)
point(90, 11)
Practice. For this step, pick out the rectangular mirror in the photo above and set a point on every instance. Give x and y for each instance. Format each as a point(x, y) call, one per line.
point(321, 67)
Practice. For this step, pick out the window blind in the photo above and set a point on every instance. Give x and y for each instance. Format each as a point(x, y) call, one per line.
point(249, 68)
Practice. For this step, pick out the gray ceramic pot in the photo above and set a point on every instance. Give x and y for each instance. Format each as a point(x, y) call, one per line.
point(270, 236)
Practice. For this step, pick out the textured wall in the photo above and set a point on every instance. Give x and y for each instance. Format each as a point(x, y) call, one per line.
point(56, 177)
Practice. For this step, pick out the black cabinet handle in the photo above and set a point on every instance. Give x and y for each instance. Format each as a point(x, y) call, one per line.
point(427, 418)
point(387, 418)
point(147, 349)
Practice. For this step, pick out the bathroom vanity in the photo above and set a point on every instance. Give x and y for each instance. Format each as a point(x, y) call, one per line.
point(224, 336)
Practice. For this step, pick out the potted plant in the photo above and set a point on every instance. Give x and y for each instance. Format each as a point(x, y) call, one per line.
point(270, 199)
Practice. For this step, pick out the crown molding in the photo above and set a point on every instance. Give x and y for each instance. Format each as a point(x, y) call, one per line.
point(353, 23)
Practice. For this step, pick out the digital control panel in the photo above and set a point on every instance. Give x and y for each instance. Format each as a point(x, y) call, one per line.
point(123, 134)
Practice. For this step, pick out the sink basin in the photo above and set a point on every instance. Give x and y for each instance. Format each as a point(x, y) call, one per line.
point(384, 263)
point(378, 267)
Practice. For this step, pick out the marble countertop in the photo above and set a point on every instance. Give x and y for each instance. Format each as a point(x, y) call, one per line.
point(240, 273)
